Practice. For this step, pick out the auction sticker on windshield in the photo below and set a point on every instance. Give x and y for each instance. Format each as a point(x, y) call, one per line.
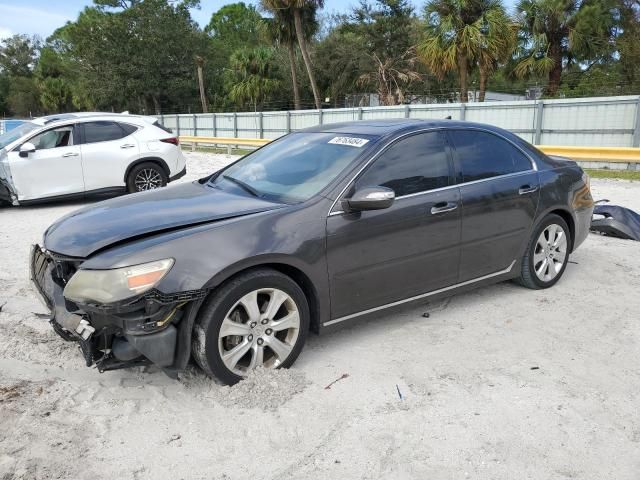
point(349, 141)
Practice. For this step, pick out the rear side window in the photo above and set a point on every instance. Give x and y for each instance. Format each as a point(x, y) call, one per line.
point(415, 164)
point(484, 155)
point(102, 131)
point(128, 129)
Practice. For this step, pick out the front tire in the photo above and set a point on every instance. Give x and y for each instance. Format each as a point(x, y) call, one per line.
point(146, 176)
point(260, 318)
point(547, 254)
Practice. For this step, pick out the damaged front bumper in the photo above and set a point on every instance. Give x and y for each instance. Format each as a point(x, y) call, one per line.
point(150, 329)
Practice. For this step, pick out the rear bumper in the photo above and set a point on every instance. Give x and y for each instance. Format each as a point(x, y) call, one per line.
point(178, 175)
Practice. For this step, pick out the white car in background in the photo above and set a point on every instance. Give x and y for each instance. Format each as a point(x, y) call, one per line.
point(78, 154)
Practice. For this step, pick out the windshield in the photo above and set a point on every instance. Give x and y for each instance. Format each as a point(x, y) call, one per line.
point(293, 168)
point(12, 135)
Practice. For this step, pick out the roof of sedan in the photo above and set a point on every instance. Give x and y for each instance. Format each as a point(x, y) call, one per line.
point(389, 126)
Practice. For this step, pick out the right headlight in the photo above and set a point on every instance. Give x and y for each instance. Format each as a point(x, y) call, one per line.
point(108, 286)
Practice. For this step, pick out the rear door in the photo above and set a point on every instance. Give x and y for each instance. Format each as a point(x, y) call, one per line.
point(54, 169)
point(499, 191)
point(108, 148)
point(382, 256)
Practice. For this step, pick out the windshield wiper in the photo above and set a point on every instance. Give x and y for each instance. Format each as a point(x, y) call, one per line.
point(243, 185)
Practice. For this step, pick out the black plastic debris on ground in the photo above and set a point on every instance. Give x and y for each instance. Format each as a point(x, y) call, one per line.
point(616, 221)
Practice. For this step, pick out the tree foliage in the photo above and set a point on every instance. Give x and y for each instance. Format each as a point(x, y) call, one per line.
point(149, 56)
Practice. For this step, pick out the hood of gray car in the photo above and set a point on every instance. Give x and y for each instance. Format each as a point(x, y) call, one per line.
point(90, 229)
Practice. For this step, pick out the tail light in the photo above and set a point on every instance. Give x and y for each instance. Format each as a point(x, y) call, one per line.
point(172, 140)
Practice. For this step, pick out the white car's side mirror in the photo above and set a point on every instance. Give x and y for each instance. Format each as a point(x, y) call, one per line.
point(27, 148)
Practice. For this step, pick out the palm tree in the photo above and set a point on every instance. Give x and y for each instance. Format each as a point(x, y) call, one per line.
point(251, 77)
point(295, 8)
point(498, 41)
point(391, 75)
point(282, 31)
point(463, 32)
point(556, 32)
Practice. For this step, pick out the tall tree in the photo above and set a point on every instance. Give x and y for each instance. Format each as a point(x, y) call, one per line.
point(460, 33)
point(296, 8)
point(387, 29)
point(233, 27)
point(497, 42)
point(136, 53)
point(18, 58)
point(557, 33)
point(252, 78)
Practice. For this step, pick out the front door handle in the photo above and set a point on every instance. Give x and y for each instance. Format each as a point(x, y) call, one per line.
point(70, 154)
point(127, 145)
point(524, 189)
point(443, 207)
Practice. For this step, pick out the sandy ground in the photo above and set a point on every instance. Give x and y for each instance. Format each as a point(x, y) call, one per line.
point(500, 383)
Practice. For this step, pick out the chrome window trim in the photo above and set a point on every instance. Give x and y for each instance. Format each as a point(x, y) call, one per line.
point(534, 166)
point(418, 297)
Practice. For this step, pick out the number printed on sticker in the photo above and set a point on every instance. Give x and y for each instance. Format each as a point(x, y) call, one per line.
point(349, 141)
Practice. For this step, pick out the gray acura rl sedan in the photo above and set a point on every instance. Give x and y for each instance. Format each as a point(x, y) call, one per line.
point(318, 228)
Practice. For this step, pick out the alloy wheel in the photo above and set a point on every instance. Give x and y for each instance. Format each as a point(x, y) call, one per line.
point(148, 179)
point(550, 252)
point(261, 329)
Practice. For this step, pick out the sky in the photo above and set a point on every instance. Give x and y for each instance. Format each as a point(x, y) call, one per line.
point(42, 17)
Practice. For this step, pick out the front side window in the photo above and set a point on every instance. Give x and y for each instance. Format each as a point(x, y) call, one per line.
point(102, 131)
point(485, 155)
point(293, 168)
point(54, 138)
point(415, 164)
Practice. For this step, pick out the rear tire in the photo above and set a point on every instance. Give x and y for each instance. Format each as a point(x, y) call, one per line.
point(547, 254)
point(146, 176)
point(260, 318)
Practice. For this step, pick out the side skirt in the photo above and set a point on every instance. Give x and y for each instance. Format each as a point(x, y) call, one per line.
point(442, 291)
point(109, 191)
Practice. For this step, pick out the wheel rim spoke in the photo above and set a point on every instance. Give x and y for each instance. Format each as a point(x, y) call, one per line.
point(292, 320)
point(281, 349)
point(250, 304)
point(278, 297)
point(541, 270)
point(551, 233)
point(229, 327)
point(257, 357)
point(233, 356)
point(537, 258)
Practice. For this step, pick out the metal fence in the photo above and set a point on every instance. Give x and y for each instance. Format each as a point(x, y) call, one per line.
point(601, 121)
point(6, 125)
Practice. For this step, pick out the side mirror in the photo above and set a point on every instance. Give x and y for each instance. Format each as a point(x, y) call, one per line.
point(370, 198)
point(27, 148)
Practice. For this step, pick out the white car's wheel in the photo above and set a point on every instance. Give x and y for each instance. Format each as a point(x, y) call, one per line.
point(146, 176)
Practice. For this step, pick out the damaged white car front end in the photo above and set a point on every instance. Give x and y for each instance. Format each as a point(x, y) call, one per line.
point(7, 189)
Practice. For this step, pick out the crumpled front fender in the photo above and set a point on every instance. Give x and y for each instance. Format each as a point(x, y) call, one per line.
point(7, 188)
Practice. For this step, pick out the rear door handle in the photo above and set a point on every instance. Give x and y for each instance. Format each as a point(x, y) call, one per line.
point(527, 189)
point(443, 207)
point(70, 154)
point(127, 145)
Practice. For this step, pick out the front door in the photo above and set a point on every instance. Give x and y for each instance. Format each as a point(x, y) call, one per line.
point(54, 169)
point(499, 190)
point(383, 256)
